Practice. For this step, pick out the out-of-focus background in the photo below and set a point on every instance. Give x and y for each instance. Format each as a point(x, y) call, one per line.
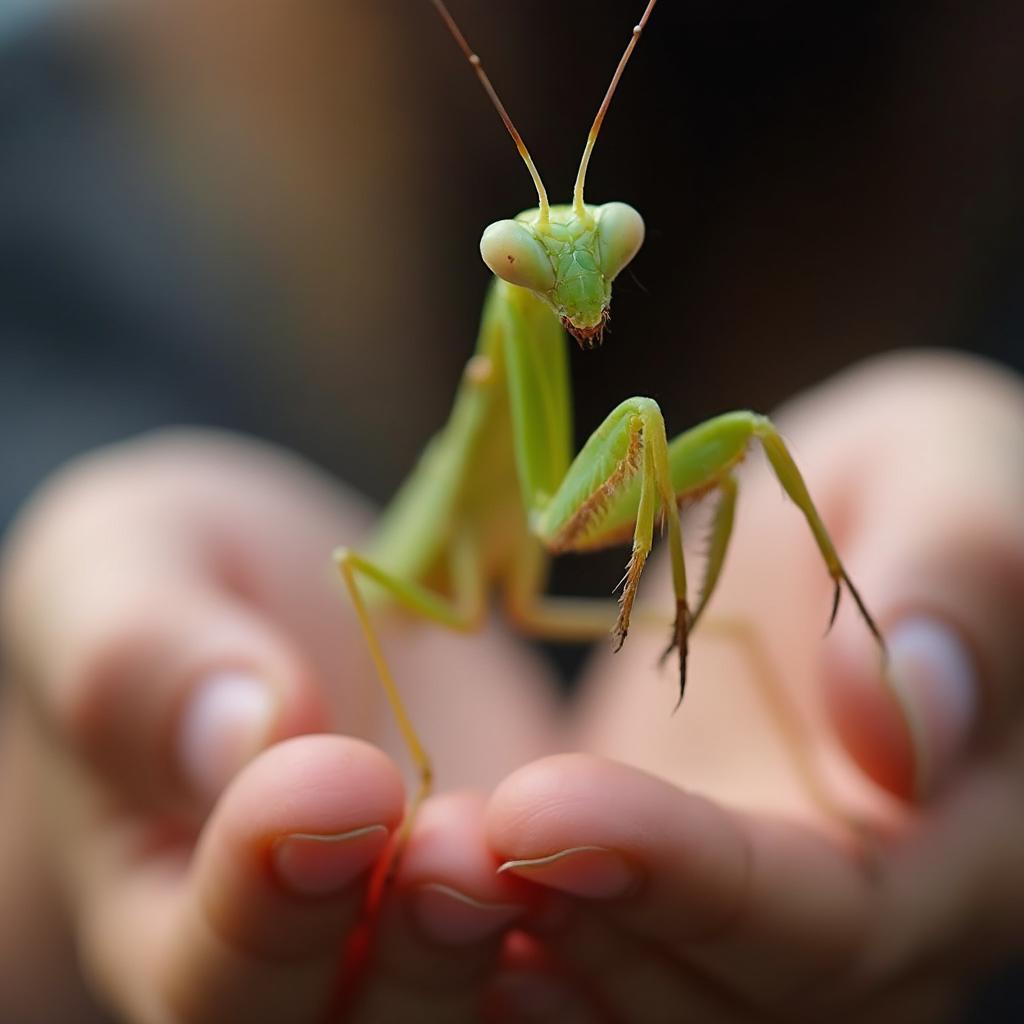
point(265, 216)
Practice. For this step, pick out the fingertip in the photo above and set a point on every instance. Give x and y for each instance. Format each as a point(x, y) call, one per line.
point(524, 802)
point(908, 718)
point(593, 826)
point(553, 821)
point(229, 714)
point(666, 866)
point(226, 719)
point(610, 835)
point(448, 875)
point(300, 825)
point(169, 699)
point(868, 719)
point(278, 881)
point(322, 784)
point(441, 924)
point(937, 550)
point(242, 927)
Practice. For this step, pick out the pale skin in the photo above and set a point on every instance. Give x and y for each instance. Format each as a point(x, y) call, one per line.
point(496, 495)
point(119, 597)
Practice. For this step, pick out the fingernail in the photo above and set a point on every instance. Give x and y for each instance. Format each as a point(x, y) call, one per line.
point(590, 871)
point(933, 678)
point(321, 865)
point(453, 918)
point(226, 722)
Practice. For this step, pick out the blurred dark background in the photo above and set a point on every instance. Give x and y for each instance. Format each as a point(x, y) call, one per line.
point(270, 220)
point(265, 217)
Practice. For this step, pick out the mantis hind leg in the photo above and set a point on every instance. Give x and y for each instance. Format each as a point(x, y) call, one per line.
point(701, 459)
point(464, 614)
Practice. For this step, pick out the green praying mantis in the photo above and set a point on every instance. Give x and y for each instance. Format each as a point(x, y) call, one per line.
point(497, 493)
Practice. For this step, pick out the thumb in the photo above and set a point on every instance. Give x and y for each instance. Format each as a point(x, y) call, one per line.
point(939, 549)
point(174, 695)
point(139, 658)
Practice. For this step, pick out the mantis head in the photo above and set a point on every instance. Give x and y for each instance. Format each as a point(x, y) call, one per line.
point(567, 256)
point(569, 262)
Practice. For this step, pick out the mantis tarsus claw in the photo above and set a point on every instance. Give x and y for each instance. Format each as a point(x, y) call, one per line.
point(836, 596)
point(844, 580)
point(671, 646)
point(680, 642)
point(866, 615)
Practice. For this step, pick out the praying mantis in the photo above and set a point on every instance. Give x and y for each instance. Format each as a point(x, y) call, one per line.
point(497, 493)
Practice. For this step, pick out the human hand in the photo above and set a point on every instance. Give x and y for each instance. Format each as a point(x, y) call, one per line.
point(168, 613)
point(714, 885)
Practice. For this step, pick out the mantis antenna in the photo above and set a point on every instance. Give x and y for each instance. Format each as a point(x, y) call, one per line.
point(477, 66)
point(577, 194)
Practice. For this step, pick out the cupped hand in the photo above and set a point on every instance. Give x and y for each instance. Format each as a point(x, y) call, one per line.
point(735, 861)
point(173, 637)
point(168, 615)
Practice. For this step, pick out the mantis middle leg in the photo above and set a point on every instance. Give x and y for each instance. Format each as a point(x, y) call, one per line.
point(464, 614)
point(702, 458)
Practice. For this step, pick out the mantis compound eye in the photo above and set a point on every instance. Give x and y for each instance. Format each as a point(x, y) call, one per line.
point(514, 255)
point(621, 232)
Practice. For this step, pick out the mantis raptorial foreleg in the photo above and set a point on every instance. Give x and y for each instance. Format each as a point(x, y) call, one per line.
point(630, 444)
point(721, 532)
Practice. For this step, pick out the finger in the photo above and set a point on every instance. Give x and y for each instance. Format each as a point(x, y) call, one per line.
point(169, 551)
point(138, 655)
point(443, 921)
point(169, 693)
point(770, 908)
point(937, 541)
point(253, 929)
